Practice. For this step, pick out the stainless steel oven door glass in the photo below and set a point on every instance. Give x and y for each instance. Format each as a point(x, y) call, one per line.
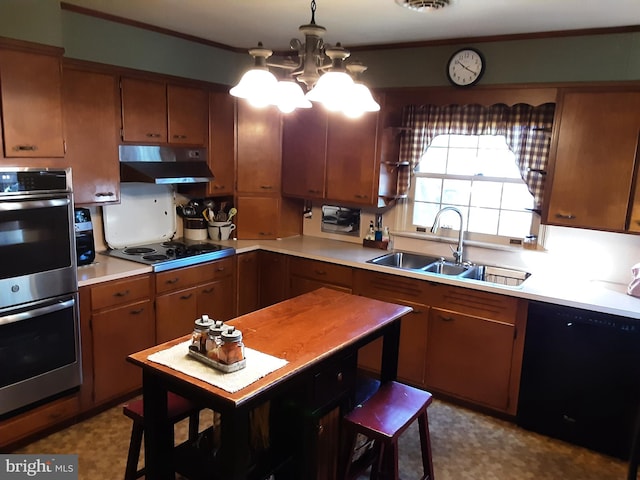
point(39, 351)
point(37, 243)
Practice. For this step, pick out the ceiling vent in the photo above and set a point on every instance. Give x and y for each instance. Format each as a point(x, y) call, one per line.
point(422, 5)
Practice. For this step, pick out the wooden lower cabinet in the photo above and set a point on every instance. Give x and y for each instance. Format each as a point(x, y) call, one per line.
point(185, 294)
point(121, 322)
point(413, 328)
point(474, 347)
point(118, 332)
point(464, 343)
point(248, 283)
point(307, 275)
point(274, 272)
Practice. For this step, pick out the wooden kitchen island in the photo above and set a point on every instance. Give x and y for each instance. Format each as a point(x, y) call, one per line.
point(318, 334)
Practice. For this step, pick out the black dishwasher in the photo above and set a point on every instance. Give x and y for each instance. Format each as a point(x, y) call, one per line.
point(581, 377)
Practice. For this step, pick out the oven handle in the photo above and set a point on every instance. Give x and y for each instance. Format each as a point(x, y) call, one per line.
point(18, 317)
point(33, 204)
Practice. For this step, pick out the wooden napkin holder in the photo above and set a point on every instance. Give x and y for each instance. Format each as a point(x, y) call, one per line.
point(379, 244)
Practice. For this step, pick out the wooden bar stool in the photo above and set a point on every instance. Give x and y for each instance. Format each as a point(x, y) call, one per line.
point(383, 418)
point(178, 408)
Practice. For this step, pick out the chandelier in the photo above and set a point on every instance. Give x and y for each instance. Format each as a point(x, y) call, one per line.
point(322, 68)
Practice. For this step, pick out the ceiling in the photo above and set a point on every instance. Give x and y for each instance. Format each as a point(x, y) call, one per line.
point(243, 23)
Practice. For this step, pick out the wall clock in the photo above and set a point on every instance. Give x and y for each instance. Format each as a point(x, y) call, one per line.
point(465, 67)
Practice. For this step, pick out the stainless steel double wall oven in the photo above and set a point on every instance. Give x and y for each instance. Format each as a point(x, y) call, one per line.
point(39, 320)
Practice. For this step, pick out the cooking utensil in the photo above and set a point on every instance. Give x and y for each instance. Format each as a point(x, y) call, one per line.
point(232, 212)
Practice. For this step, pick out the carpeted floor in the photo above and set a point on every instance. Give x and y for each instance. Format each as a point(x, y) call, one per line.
point(466, 446)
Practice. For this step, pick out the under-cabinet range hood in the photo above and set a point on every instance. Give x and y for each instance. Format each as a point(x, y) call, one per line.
point(163, 164)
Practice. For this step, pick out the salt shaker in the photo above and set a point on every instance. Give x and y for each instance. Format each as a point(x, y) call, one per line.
point(232, 348)
point(199, 335)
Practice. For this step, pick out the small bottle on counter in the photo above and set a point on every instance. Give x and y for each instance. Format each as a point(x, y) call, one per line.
point(200, 333)
point(232, 348)
point(372, 232)
point(214, 339)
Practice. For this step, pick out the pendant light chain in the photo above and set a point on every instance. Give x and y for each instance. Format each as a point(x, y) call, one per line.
point(313, 12)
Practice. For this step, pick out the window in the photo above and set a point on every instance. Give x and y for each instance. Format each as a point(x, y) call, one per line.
point(487, 161)
point(478, 175)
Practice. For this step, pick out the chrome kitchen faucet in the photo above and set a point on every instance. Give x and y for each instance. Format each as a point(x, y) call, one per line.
point(457, 254)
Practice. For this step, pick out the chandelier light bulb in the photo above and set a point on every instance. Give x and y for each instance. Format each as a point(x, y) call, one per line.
point(257, 86)
point(332, 90)
point(360, 101)
point(289, 96)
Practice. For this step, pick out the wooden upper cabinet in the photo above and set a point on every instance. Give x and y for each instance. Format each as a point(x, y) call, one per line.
point(187, 109)
point(352, 167)
point(221, 143)
point(155, 112)
point(595, 152)
point(304, 149)
point(144, 111)
point(634, 214)
point(31, 86)
point(90, 122)
point(258, 149)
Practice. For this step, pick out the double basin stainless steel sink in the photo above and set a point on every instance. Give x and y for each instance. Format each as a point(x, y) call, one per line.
point(439, 266)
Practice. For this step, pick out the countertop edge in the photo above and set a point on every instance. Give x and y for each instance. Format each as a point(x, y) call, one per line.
point(552, 288)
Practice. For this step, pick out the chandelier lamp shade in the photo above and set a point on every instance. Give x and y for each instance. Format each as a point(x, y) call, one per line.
point(320, 67)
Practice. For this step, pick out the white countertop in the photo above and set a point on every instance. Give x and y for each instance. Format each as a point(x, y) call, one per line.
point(552, 287)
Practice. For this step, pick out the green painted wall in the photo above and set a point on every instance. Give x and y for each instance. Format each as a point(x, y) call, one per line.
point(94, 39)
point(565, 59)
point(31, 20)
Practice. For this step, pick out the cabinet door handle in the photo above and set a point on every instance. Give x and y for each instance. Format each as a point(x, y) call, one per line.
point(320, 272)
point(567, 216)
point(218, 187)
point(137, 311)
point(359, 195)
point(266, 187)
point(121, 294)
point(447, 319)
point(264, 234)
point(314, 191)
point(153, 135)
point(180, 136)
point(173, 280)
point(25, 148)
point(208, 290)
point(220, 269)
point(186, 297)
point(105, 194)
point(339, 377)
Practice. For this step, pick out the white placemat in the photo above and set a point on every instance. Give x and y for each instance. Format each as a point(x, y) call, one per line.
point(258, 365)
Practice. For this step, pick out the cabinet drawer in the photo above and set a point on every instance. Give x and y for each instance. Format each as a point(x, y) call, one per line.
point(120, 292)
point(38, 419)
point(335, 379)
point(382, 285)
point(321, 271)
point(190, 276)
point(479, 304)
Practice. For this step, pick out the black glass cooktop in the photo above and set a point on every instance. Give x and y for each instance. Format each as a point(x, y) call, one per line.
point(172, 253)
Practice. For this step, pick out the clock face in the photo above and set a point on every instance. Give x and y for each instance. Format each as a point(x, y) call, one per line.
point(465, 67)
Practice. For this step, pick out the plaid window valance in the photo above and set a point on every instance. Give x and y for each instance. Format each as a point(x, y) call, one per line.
point(527, 130)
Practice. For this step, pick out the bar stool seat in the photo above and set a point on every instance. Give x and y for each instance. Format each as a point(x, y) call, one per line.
point(383, 418)
point(178, 408)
